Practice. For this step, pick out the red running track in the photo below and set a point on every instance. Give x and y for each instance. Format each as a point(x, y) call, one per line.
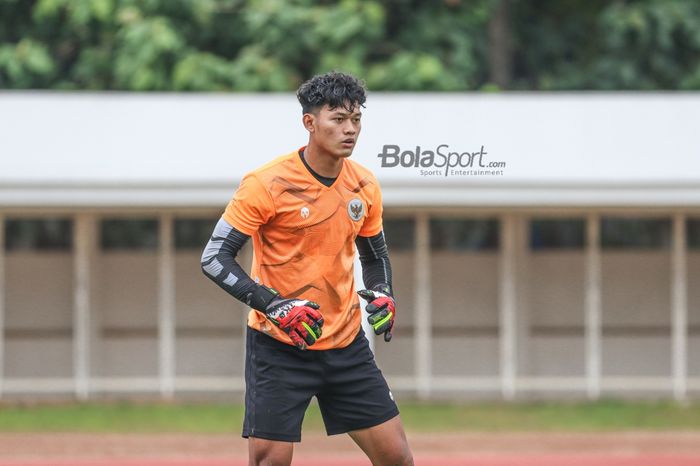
point(470, 460)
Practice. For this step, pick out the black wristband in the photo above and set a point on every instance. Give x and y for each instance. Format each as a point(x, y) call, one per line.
point(383, 288)
point(261, 297)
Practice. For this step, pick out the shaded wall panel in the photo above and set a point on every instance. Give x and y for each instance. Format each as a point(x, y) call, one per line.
point(465, 313)
point(556, 328)
point(126, 314)
point(38, 314)
point(636, 313)
point(209, 323)
point(398, 356)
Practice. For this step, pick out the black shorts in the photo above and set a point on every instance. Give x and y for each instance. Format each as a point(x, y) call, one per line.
point(281, 380)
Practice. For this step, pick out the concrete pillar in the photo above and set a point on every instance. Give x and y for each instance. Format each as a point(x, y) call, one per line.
point(360, 285)
point(523, 309)
point(246, 262)
point(679, 307)
point(423, 332)
point(507, 304)
point(2, 303)
point(83, 240)
point(593, 322)
point(166, 307)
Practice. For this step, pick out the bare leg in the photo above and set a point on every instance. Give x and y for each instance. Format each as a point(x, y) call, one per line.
point(262, 452)
point(385, 444)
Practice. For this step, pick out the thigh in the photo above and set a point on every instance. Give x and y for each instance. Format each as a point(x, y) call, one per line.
point(384, 444)
point(280, 382)
point(356, 395)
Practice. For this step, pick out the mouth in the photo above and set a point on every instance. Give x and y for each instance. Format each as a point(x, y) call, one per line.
point(348, 142)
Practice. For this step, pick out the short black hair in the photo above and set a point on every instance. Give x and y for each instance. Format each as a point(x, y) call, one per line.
point(333, 88)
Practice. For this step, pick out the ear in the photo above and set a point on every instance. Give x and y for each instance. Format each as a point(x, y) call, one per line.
point(308, 121)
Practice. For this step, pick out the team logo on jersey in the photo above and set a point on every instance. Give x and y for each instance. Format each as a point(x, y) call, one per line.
point(356, 209)
point(304, 212)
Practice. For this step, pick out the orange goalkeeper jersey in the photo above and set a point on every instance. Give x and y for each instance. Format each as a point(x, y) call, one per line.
point(304, 239)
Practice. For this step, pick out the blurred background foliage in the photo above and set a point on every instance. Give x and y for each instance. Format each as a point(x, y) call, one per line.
point(273, 45)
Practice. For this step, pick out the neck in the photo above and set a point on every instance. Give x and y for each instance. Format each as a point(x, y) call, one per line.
point(322, 163)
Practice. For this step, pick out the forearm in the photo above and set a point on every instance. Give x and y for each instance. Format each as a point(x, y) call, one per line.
point(299, 318)
point(220, 265)
point(374, 257)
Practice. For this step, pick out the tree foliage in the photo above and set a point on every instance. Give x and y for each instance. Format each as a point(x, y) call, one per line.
point(273, 45)
point(604, 45)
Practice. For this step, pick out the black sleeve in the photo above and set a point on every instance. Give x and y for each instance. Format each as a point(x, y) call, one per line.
point(374, 257)
point(220, 265)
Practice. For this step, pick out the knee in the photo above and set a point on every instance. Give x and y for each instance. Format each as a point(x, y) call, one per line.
point(406, 459)
point(399, 457)
point(266, 453)
point(268, 458)
point(403, 455)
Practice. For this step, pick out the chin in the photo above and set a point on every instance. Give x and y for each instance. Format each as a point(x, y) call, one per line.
point(345, 153)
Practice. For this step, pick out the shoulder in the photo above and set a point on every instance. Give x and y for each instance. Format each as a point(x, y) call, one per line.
point(278, 164)
point(362, 178)
point(277, 167)
point(360, 172)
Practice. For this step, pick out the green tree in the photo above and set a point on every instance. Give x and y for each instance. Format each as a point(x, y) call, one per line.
point(603, 45)
point(273, 45)
point(243, 45)
point(649, 45)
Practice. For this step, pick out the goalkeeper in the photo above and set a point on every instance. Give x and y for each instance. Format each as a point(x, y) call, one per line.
point(306, 212)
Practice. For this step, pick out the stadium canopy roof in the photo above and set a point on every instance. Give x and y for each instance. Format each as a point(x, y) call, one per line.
point(559, 149)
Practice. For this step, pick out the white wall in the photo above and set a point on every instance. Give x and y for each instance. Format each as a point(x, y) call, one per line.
point(123, 149)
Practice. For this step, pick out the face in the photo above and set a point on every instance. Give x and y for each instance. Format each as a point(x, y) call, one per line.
point(334, 130)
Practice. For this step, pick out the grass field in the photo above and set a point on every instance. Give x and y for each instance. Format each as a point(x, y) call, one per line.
point(483, 417)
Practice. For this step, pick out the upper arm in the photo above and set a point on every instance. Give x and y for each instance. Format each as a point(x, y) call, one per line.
point(373, 222)
point(250, 207)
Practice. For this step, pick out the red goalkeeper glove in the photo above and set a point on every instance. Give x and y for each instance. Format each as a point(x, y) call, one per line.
point(299, 318)
point(381, 309)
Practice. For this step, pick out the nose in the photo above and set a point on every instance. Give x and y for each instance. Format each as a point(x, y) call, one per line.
point(349, 127)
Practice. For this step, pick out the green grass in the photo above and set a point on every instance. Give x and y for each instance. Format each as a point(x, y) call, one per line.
point(588, 417)
point(226, 418)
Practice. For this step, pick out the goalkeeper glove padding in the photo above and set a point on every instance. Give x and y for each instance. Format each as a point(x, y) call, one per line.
point(381, 309)
point(299, 318)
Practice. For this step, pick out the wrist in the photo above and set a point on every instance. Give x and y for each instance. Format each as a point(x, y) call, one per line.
point(383, 288)
point(261, 297)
